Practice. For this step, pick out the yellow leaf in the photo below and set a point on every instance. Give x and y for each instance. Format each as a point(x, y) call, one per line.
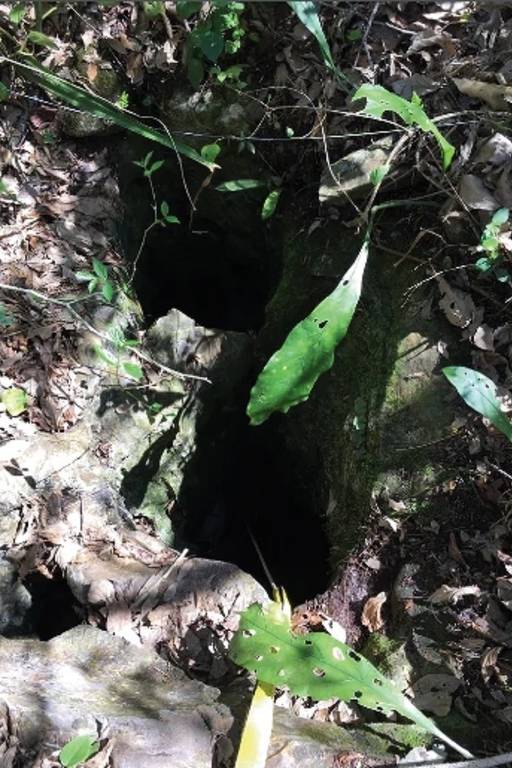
point(258, 729)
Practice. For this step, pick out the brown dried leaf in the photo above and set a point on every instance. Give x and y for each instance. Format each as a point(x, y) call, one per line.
point(497, 97)
point(446, 594)
point(371, 617)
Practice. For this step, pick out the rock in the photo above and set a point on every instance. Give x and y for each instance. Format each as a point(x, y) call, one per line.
point(352, 173)
point(15, 600)
point(154, 713)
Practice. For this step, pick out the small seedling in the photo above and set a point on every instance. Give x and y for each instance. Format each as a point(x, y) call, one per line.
point(98, 279)
point(491, 245)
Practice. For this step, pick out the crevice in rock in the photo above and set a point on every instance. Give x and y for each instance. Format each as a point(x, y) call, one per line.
point(53, 609)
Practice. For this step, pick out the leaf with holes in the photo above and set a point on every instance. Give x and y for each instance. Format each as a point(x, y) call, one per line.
point(479, 392)
point(308, 351)
point(380, 100)
point(319, 666)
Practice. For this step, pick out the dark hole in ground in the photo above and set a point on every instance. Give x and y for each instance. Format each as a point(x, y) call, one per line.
point(221, 269)
point(54, 608)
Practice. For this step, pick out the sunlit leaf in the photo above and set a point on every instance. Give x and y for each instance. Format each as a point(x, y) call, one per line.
point(270, 204)
point(107, 291)
point(379, 100)
point(78, 750)
point(239, 185)
point(15, 400)
point(210, 152)
point(500, 217)
point(17, 13)
point(378, 174)
point(99, 268)
point(480, 393)
point(100, 107)
point(319, 666)
point(308, 351)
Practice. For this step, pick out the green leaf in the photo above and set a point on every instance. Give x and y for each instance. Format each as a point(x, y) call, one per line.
point(500, 217)
point(99, 269)
point(319, 666)
point(107, 291)
point(172, 220)
point(84, 276)
point(378, 174)
point(105, 356)
point(17, 13)
point(211, 43)
point(100, 107)
point(133, 370)
point(4, 91)
point(308, 351)
point(239, 185)
point(479, 392)
point(15, 401)
point(154, 167)
point(185, 8)
point(270, 204)
point(153, 8)
point(195, 71)
point(78, 750)
point(484, 264)
point(164, 209)
point(210, 152)
point(38, 38)
point(380, 100)
point(307, 13)
point(92, 285)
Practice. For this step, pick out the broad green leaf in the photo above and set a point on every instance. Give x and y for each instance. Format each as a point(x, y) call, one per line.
point(319, 666)
point(185, 8)
point(270, 204)
point(38, 38)
point(100, 107)
point(307, 13)
point(133, 370)
point(500, 217)
point(164, 209)
point(78, 750)
point(210, 152)
point(211, 43)
point(479, 392)
point(4, 91)
point(153, 8)
point(239, 185)
point(380, 100)
point(99, 268)
point(308, 351)
point(17, 13)
point(15, 401)
point(107, 291)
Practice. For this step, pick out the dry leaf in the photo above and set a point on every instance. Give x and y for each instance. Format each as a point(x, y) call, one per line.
point(458, 306)
point(446, 594)
point(372, 612)
point(475, 194)
point(497, 97)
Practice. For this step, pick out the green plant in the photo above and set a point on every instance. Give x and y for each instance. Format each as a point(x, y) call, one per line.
point(218, 32)
point(98, 278)
point(308, 351)
point(480, 393)
point(78, 751)
point(14, 400)
point(241, 185)
point(115, 360)
point(100, 107)
point(319, 666)
point(491, 245)
point(379, 100)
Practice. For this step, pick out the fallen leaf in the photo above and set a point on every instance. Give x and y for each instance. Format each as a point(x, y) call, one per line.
point(497, 97)
point(475, 194)
point(457, 305)
point(371, 617)
point(446, 594)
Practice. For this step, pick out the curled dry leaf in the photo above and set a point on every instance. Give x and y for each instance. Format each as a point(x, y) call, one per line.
point(457, 305)
point(489, 662)
point(497, 97)
point(446, 594)
point(371, 617)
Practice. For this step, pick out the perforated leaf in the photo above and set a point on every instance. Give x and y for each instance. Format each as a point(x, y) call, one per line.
point(308, 351)
point(319, 666)
point(379, 100)
point(479, 392)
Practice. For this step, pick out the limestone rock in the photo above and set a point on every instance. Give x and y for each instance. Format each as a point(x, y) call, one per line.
point(352, 173)
point(15, 600)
